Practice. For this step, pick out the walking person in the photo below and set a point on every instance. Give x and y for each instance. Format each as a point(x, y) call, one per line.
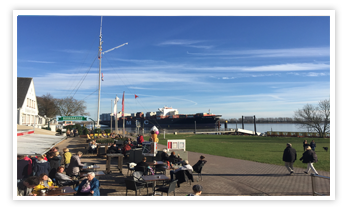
point(289, 157)
point(305, 145)
point(309, 157)
point(313, 145)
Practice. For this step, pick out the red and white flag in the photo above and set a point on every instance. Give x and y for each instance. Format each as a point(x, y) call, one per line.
point(102, 77)
point(136, 96)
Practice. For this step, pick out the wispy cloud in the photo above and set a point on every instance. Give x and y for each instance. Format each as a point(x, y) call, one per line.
point(40, 62)
point(72, 51)
point(291, 52)
point(186, 43)
point(289, 67)
point(139, 61)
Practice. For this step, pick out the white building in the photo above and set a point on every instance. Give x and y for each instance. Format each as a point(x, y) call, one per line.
point(27, 110)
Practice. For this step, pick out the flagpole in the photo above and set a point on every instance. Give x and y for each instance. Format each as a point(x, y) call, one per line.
point(111, 119)
point(123, 132)
point(116, 122)
point(99, 55)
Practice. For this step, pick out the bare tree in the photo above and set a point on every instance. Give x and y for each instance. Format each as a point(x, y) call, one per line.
point(315, 118)
point(69, 106)
point(46, 105)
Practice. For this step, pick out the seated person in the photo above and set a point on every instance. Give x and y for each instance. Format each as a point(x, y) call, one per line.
point(25, 187)
point(144, 164)
point(174, 159)
point(89, 186)
point(64, 179)
point(45, 183)
point(199, 165)
point(164, 155)
point(197, 190)
point(114, 149)
point(127, 147)
point(92, 146)
point(141, 139)
point(185, 166)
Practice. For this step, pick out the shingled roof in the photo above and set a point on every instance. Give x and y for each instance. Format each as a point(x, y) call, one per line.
point(22, 90)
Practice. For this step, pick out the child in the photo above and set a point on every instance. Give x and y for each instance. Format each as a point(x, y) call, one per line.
point(197, 189)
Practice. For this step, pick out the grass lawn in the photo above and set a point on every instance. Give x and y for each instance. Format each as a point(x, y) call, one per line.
point(259, 149)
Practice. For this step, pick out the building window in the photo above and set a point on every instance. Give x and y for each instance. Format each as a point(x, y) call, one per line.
point(32, 119)
point(27, 102)
point(23, 119)
point(28, 119)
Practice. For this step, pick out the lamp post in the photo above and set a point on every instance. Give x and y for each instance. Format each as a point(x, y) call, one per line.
point(93, 126)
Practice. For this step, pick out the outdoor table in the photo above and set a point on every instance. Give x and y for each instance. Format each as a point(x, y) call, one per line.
point(90, 167)
point(58, 192)
point(108, 161)
point(154, 178)
point(97, 173)
point(157, 163)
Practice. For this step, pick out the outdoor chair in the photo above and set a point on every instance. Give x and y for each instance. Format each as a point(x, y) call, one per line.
point(130, 168)
point(132, 185)
point(184, 176)
point(198, 169)
point(167, 189)
point(142, 169)
point(140, 181)
point(161, 168)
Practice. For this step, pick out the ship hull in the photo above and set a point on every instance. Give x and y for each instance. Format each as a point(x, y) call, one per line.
point(168, 123)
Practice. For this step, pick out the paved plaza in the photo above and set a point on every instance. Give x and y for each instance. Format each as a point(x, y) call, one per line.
point(221, 176)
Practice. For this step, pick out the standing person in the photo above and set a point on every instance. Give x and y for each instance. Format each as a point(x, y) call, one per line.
point(313, 145)
point(289, 157)
point(41, 166)
point(22, 168)
point(54, 164)
point(75, 164)
point(67, 132)
point(309, 157)
point(305, 145)
point(197, 190)
point(67, 157)
point(72, 132)
point(30, 166)
point(25, 187)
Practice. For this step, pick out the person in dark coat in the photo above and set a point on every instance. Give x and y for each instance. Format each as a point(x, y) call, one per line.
point(143, 164)
point(41, 166)
point(305, 145)
point(114, 149)
point(309, 157)
point(313, 145)
point(164, 156)
point(54, 161)
point(22, 168)
point(199, 165)
point(289, 157)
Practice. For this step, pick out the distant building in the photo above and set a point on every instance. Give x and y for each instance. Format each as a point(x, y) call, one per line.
point(27, 110)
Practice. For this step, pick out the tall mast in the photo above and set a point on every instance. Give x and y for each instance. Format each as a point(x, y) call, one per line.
point(100, 57)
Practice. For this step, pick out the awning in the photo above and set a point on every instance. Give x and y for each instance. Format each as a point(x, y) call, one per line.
point(36, 144)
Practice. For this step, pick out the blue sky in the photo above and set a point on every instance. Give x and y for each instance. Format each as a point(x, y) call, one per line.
point(267, 66)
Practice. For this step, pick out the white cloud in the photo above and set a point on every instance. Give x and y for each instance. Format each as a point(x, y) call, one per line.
point(291, 52)
point(288, 67)
point(41, 62)
point(186, 43)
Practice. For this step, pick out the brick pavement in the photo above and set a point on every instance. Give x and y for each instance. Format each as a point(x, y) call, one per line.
point(221, 176)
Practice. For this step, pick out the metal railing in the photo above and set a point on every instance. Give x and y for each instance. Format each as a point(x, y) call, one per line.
point(313, 176)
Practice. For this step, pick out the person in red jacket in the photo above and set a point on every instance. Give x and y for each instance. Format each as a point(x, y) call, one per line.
point(127, 147)
point(30, 166)
point(141, 139)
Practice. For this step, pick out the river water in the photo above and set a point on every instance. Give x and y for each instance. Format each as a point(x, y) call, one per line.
point(268, 127)
point(262, 128)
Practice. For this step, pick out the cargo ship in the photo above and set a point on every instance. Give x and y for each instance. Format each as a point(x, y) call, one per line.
point(164, 118)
